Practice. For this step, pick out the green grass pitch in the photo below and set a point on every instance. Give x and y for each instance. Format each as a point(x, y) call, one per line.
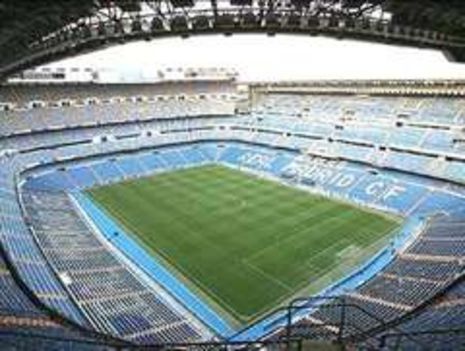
point(245, 244)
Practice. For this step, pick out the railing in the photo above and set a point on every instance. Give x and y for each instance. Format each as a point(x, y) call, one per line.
point(293, 337)
point(338, 327)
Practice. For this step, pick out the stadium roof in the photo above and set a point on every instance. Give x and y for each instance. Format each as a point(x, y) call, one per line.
point(38, 31)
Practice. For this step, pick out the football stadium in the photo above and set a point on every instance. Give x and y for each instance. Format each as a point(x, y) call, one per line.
point(196, 210)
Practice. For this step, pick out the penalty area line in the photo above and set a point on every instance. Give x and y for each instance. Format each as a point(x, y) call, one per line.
point(267, 276)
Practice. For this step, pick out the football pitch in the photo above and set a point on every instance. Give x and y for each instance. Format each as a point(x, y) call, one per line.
point(244, 243)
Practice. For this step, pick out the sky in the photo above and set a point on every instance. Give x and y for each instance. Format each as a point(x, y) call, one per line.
point(264, 58)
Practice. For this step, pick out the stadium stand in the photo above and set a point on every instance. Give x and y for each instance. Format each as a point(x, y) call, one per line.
point(73, 278)
point(365, 151)
point(27, 324)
